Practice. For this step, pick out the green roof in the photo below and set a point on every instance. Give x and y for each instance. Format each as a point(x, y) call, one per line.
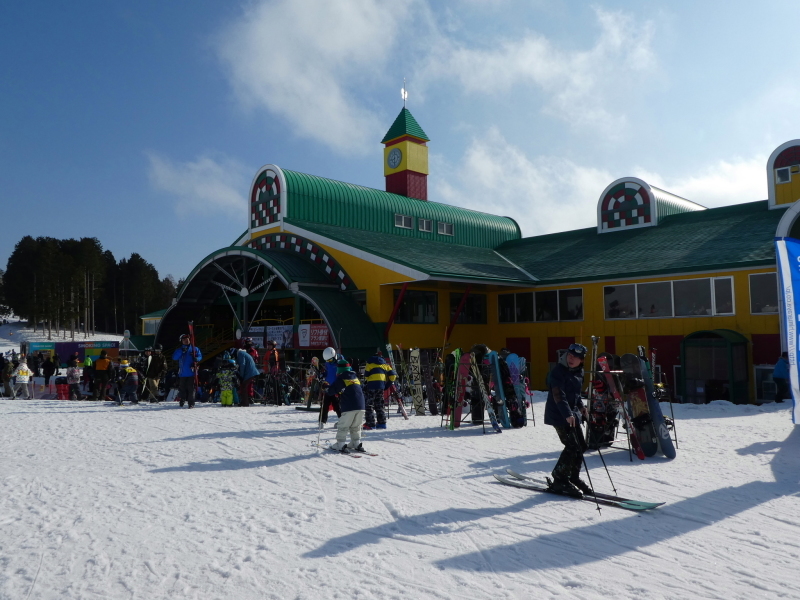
point(330, 202)
point(405, 124)
point(707, 240)
point(154, 315)
point(436, 259)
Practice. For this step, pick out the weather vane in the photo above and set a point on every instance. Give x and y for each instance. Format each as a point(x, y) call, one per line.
point(404, 92)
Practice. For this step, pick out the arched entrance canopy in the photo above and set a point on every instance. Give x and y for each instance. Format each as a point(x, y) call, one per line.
point(241, 270)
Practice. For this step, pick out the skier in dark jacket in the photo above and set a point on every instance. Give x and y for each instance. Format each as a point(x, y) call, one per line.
point(351, 401)
point(154, 367)
point(563, 411)
point(48, 370)
point(331, 357)
point(379, 376)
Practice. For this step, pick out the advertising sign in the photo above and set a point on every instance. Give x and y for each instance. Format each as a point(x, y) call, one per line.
point(788, 251)
point(313, 335)
point(282, 334)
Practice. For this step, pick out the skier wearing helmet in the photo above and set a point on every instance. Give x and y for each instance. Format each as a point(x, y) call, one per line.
point(348, 387)
point(330, 356)
point(563, 411)
point(187, 356)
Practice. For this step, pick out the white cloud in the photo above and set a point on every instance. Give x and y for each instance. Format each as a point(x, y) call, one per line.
point(585, 88)
point(205, 185)
point(307, 60)
point(547, 194)
point(719, 184)
point(544, 195)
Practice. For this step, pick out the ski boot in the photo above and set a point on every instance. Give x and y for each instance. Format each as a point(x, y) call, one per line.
point(582, 486)
point(565, 487)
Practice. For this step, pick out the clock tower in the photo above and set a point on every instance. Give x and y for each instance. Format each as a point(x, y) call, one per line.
point(405, 157)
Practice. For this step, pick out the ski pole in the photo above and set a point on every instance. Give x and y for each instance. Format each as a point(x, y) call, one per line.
point(607, 473)
point(585, 466)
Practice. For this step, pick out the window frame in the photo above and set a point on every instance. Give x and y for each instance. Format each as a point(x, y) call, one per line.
point(714, 297)
point(409, 295)
point(788, 175)
point(428, 222)
point(441, 228)
point(403, 218)
point(559, 305)
point(635, 304)
point(750, 292)
point(558, 318)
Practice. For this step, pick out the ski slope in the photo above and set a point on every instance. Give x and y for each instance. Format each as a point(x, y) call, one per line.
point(99, 501)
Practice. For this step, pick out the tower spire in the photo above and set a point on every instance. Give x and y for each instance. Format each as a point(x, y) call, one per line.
point(404, 92)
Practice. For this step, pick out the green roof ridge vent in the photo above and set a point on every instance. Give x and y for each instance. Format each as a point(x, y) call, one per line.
point(405, 124)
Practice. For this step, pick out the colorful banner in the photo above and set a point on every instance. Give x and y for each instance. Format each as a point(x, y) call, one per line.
point(312, 336)
point(788, 251)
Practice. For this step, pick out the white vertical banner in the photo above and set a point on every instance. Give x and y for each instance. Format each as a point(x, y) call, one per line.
point(788, 251)
point(304, 335)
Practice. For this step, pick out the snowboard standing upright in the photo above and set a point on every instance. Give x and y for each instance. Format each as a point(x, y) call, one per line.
point(633, 382)
point(602, 361)
point(463, 389)
point(515, 377)
point(664, 439)
point(451, 365)
point(497, 379)
point(392, 389)
point(415, 382)
point(482, 395)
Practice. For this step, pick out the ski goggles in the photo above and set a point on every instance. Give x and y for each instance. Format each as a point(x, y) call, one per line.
point(578, 350)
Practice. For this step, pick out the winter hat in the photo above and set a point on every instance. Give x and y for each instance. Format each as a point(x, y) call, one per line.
point(342, 367)
point(123, 363)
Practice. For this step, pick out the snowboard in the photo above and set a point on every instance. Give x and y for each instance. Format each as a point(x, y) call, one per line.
point(601, 430)
point(612, 383)
point(392, 390)
point(429, 369)
point(415, 381)
point(463, 389)
point(500, 394)
point(515, 375)
point(636, 396)
point(664, 438)
point(479, 390)
point(450, 385)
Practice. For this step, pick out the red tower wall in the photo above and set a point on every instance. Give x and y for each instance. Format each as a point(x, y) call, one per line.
point(408, 183)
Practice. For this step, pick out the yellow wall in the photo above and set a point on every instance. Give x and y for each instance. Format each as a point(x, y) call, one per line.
point(786, 193)
point(415, 158)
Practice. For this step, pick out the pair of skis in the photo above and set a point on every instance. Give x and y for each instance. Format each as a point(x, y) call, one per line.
point(538, 485)
point(393, 388)
point(346, 452)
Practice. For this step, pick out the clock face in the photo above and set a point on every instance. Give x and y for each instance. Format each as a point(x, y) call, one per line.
point(394, 158)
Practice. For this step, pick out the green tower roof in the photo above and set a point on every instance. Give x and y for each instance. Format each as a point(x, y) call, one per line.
point(405, 124)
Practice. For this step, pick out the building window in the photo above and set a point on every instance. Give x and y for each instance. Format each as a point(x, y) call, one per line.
point(654, 299)
point(425, 225)
point(403, 221)
point(524, 308)
point(445, 228)
point(764, 293)
point(546, 306)
point(505, 308)
point(570, 305)
point(474, 311)
point(723, 295)
point(561, 305)
point(620, 301)
point(692, 297)
point(150, 326)
point(782, 175)
point(417, 307)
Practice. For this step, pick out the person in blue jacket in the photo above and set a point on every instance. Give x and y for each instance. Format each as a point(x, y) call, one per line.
point(331, 357)
point(188, 357)
point(379, 377)
point(351, 400)
point(563, 411)
point(247, 372)
point(780, 375)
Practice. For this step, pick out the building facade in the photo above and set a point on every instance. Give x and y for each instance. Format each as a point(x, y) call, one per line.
point(698, 284)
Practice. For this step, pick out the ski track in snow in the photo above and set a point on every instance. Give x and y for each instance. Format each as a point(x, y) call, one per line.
point(106, 502)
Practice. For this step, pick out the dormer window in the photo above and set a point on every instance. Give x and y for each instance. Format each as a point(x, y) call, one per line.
point(783, 175)
point(404, 221)
point(425, 225)
point(445, 228)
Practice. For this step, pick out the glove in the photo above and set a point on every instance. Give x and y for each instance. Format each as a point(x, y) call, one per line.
point(599, 386)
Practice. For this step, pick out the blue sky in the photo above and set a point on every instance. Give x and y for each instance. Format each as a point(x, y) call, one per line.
point(142, 124)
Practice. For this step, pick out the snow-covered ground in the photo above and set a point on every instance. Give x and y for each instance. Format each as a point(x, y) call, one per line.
point(99, 501)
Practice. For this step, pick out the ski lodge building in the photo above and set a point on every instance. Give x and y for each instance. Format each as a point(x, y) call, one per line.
point(325, 262)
